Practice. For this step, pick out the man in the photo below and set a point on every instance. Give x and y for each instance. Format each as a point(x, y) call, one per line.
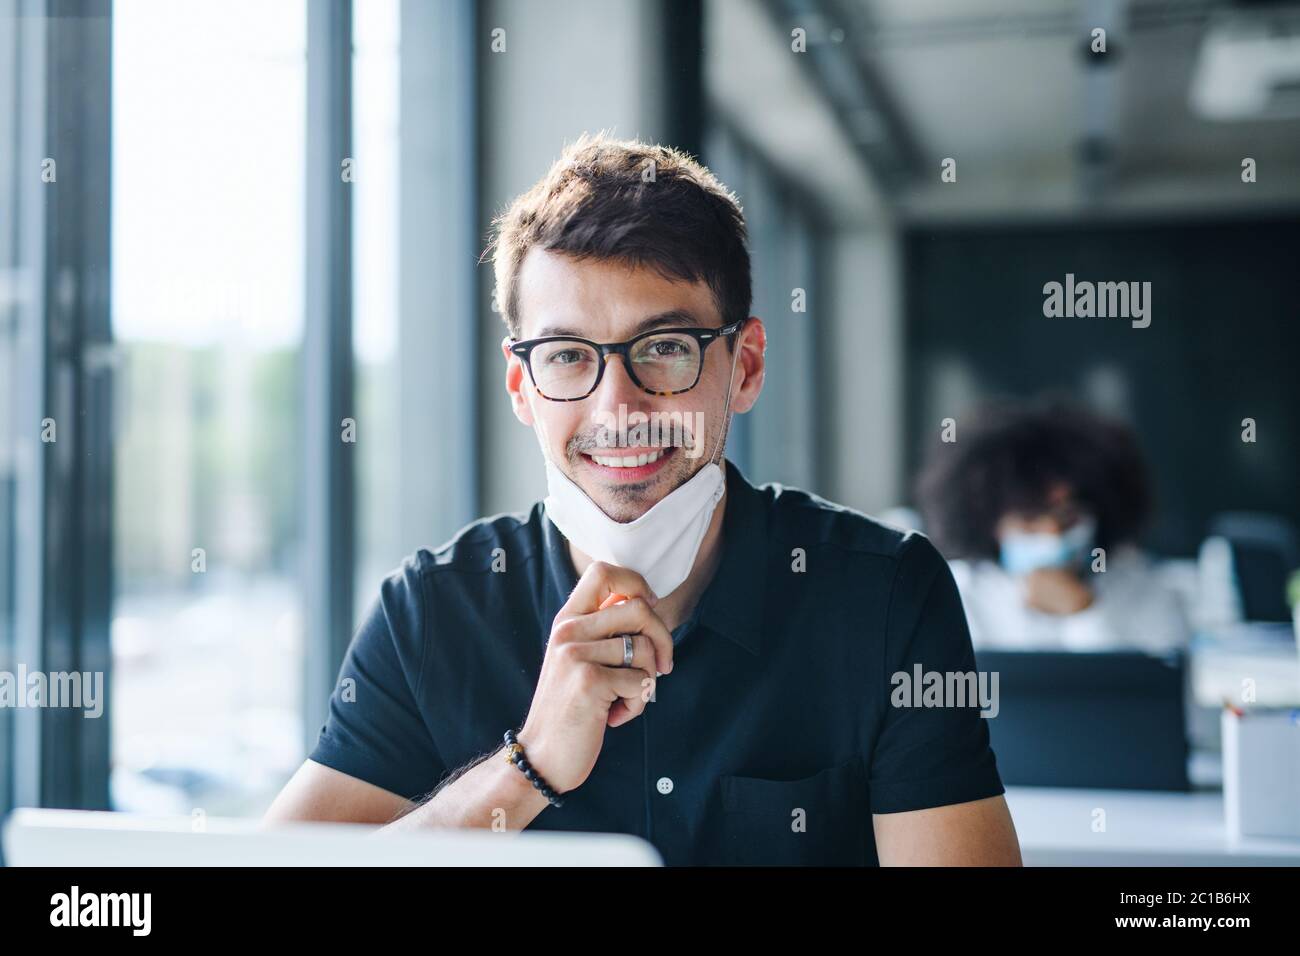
point(741, 714)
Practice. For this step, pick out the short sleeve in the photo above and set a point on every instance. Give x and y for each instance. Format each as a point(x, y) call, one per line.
point(929, 756)
point(374, 730)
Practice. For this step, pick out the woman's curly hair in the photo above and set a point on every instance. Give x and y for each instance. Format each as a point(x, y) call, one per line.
point(1008, 459)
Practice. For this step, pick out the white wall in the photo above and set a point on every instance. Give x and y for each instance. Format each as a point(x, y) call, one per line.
point(864, 414)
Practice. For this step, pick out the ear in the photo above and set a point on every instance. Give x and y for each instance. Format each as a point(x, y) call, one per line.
point(516, 385)
point(750, 365)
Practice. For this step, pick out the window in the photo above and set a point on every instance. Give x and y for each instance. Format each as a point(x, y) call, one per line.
point(210, 435)
point(207, 306)
point(8, 406)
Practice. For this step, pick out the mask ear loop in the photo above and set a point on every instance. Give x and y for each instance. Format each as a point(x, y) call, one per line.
point(731, 380)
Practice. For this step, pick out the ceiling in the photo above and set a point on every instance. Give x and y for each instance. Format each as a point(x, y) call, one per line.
point(1036, 124)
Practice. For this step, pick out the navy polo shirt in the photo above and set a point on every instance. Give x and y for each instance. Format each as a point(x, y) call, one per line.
point(773, 740)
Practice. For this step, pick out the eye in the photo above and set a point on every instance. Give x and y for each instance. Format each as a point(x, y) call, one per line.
point(566, 357)
point(668, 349)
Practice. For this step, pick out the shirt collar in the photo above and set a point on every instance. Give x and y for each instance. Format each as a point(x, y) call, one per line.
point(732, 603)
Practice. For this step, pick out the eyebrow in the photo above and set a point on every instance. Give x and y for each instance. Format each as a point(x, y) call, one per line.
point(672, 317)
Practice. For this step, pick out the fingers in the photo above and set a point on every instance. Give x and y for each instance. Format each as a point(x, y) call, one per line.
point(609, 652)
point(620, 712)
point(633, 616)
point(625, 690)
point(627, 683)
point(599, 581)
point(635, 689)
point(588, 632)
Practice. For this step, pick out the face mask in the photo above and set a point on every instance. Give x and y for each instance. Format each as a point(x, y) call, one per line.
point(662, 544)
point(1021, 552)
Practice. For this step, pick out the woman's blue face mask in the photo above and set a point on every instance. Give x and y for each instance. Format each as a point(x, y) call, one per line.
point(1021, 552)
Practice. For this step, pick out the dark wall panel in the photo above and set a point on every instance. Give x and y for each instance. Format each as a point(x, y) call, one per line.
point(1223, 345)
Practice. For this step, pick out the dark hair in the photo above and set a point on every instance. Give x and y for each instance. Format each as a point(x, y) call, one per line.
point(1008, 458)
point(599, 201)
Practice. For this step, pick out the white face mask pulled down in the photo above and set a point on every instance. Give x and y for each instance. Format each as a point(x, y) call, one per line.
point(662, 544)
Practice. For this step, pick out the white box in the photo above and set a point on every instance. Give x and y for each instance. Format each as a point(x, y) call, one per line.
point(1261, 773)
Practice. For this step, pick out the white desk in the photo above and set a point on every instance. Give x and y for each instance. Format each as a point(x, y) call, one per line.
point(1142, 828)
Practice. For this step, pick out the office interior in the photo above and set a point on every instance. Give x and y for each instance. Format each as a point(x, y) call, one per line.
point(194, 296)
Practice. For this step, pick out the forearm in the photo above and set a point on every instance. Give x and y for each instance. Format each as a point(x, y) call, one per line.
point(490, 791)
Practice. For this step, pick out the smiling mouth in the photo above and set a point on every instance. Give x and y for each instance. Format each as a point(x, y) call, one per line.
point(629, 461)
point(631, 465)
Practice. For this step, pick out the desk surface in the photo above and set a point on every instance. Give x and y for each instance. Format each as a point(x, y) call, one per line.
point(1056, 828)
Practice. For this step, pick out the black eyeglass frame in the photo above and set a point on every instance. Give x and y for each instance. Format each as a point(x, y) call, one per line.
point(704, 337)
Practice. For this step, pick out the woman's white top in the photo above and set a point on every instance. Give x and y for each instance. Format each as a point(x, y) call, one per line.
point(1132, 609)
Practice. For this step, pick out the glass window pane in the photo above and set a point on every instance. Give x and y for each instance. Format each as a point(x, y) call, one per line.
point(8, 457)
point(209, 134)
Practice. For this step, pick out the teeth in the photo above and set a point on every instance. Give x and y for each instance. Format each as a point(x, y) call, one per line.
point(627, 461)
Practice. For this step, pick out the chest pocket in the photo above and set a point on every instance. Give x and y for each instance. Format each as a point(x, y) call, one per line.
point(822, 820)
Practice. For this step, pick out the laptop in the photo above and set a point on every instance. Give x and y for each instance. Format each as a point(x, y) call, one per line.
point(1111, 719)
point(35, 837)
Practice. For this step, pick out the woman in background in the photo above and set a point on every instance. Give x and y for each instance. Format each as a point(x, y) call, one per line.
point(1038, 508)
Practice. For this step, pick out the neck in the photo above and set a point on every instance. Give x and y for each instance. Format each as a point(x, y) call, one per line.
point(676, 607)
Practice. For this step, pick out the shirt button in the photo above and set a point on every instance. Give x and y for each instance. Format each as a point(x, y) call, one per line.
point(665, 785)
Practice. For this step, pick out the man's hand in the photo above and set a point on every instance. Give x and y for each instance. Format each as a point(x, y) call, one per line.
point(583, 686)
point(1056, 591)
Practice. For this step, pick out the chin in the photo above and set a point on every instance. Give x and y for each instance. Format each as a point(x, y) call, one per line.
point(625, 504)
point(622, 514)
point(630, 501)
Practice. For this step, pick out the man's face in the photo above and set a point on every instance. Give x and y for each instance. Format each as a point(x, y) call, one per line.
point(607, 301)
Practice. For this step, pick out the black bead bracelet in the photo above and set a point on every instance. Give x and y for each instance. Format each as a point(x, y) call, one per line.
point(515, 754)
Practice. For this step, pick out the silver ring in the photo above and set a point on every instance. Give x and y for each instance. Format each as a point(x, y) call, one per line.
point(627, 650)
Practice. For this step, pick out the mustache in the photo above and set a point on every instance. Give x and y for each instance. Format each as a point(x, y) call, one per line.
point(599, 440)
point(665, 431)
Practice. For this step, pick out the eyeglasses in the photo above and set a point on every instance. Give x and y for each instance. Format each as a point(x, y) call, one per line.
point(662, 361)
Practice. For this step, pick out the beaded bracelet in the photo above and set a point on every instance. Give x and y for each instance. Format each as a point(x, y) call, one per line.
point(515, 754)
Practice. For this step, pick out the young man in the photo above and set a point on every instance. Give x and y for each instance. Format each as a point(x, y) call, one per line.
point(681, 655)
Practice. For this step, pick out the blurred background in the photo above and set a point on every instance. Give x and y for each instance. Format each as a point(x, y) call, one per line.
point(226, 227)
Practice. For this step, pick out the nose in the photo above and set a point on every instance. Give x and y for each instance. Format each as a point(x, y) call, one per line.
point(616, 386)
